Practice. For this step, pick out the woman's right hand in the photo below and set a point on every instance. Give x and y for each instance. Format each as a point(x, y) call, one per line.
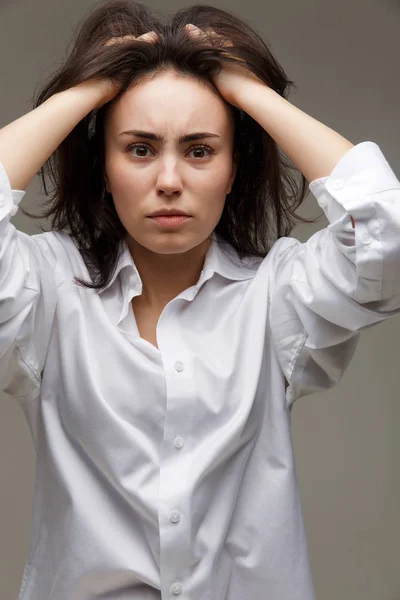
point(111, 88)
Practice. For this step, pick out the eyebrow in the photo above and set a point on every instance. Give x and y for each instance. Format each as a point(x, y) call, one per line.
point(159, 138)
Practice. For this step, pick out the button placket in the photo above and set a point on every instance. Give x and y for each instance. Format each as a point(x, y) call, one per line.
point(175, 539)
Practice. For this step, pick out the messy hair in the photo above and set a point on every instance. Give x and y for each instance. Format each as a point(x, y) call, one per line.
point(267, 188)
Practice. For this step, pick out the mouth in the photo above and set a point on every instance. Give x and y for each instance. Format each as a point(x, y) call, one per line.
point(170, 220)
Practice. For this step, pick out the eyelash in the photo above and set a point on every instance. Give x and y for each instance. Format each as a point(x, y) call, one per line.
point(201, 146)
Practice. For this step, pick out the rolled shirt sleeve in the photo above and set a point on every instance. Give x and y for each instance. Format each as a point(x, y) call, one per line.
point(28, 298)
point(343, 279)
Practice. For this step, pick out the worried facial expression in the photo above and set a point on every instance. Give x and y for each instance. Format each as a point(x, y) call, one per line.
point(155, 159)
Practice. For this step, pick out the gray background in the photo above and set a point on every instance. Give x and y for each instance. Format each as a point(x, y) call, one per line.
point(344, 56)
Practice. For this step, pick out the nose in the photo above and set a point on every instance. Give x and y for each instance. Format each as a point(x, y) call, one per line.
point(169, 180)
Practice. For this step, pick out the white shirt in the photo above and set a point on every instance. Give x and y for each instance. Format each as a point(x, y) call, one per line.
point(170, 472)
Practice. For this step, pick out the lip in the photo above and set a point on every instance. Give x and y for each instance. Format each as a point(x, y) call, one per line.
point(170, 220)
point(164, 212)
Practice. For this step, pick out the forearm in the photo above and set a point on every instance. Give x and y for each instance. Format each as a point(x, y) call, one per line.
point(313, 147)
point(26, 144)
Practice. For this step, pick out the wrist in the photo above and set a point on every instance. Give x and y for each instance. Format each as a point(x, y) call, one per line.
point(89, 95)
point(248, 95)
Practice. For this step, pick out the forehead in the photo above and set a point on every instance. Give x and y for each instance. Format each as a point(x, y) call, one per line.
point(170, 102)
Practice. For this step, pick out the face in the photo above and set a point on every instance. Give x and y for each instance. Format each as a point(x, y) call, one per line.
point(144, 175)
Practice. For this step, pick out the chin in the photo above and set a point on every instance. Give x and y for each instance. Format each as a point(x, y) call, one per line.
point(169, 242)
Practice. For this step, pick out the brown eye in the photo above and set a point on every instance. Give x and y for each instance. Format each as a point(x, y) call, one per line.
point(131, 146)
point(201, 147)
point(204, 148)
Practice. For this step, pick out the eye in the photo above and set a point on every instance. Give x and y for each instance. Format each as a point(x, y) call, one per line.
point(201, 147)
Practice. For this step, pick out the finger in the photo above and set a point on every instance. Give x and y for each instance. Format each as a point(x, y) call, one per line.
point(118, 40)
point(193, 30)
point(207, 33)
point(150, 36)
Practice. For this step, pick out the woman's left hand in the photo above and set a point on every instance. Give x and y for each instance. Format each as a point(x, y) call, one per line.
point(233, 77)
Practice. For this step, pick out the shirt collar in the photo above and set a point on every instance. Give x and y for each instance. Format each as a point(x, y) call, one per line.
point(216, 261)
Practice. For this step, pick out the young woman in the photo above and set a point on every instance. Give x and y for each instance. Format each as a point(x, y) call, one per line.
point(157, 358)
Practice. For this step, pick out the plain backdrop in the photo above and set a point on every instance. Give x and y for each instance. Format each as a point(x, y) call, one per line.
point(345, 58)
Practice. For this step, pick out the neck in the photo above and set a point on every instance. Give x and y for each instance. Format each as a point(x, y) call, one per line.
point(165, 276)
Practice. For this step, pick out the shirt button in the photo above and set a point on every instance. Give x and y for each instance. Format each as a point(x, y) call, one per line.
point(174, 516)
point(367, 239)
point(338, 184)
point(179, 366)
point(176, 589)
point(178, 442)
point(323, 202)
point(1, 201)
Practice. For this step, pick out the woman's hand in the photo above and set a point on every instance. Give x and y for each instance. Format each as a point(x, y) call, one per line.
point(111, 88)
point(232, 77)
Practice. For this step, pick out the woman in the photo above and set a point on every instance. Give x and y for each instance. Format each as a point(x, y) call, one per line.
point(158, 360)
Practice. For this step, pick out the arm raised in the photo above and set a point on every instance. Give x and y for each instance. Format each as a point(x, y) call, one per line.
point(28, 142)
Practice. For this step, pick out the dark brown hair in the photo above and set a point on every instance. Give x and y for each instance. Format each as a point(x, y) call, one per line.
point(265, 194)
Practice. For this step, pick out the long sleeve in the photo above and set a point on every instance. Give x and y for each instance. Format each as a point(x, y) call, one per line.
point(345, 278)
point(28, 297)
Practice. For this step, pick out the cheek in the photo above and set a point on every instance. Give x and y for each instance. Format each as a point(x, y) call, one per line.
point(213, 198)
point(127, 191)
point(124, 181)
point(216, 179)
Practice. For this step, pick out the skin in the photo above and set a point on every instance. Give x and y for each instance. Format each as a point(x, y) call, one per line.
point(168, 174)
